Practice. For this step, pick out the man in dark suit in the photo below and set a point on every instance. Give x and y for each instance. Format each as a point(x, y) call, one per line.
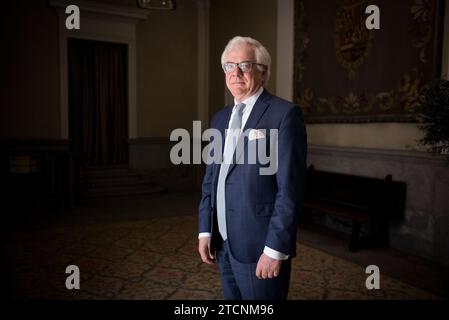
point(248, 218)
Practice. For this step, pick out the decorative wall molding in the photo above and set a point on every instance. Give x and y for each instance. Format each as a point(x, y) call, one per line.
point(385, 154)
point(101, 22)
point(38, 145)
point(101, 8)
point(151, 157)
point(150, 140)
point(150, 153)
point(423, 230)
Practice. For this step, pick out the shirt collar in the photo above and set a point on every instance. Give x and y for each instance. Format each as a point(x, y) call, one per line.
point(252, 99)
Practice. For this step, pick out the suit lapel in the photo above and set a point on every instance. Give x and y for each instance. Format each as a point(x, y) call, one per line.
point(256, 113)
point(222, 126)
point(258, 109)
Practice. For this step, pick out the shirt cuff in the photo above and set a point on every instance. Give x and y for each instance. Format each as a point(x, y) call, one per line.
point(204, 235)
point(275, 254)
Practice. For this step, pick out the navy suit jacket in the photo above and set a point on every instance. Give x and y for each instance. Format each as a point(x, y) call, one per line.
point(261, 210)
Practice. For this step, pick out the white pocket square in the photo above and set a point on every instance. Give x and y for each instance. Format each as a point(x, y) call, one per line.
point(255, 134)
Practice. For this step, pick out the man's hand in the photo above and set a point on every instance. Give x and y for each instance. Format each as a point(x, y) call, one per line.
point(204, 250)
point(267, 267)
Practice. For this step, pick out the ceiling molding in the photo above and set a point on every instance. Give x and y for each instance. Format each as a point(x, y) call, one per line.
point(105, 9)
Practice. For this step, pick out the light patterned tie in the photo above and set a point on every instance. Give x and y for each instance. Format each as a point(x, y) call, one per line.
point(230, 145)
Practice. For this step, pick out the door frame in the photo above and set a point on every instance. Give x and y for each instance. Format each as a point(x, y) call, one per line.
point(101, 22)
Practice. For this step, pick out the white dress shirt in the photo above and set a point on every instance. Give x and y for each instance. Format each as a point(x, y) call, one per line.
point(249, 104)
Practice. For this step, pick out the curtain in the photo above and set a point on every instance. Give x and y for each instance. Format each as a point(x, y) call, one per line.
point(98, 101)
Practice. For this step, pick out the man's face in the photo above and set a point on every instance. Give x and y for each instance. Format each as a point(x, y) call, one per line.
point(243, 85)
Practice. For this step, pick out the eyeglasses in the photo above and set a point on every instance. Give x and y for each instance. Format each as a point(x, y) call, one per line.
point(245, 66)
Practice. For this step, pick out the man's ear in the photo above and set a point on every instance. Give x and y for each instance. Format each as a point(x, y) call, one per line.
point(264, 76)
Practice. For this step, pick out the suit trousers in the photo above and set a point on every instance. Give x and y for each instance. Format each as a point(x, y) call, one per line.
point(239, 279)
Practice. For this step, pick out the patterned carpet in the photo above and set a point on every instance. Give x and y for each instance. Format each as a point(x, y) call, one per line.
point(158, 259)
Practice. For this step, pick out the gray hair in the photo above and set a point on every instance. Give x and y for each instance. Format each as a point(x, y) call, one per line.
point(260, 52)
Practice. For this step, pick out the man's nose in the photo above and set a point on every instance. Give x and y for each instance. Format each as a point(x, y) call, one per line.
point(236, 71)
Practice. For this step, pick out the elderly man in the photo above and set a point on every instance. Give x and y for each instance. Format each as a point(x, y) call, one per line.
point(248, 220)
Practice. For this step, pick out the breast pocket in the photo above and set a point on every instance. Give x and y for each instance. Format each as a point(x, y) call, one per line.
point(258, 151)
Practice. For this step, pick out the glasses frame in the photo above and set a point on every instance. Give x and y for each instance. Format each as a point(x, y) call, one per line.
point(238, 65)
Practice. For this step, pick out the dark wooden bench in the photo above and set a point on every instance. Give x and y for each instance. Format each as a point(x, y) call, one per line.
point(354, 201)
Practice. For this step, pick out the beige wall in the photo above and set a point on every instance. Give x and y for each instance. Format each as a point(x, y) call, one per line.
point(167, 70)
point(260, 22)
point(229, 18)
point(397, 136)
point(29, 92)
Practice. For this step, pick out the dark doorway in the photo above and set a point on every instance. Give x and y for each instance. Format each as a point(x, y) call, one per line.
point(98, 106)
